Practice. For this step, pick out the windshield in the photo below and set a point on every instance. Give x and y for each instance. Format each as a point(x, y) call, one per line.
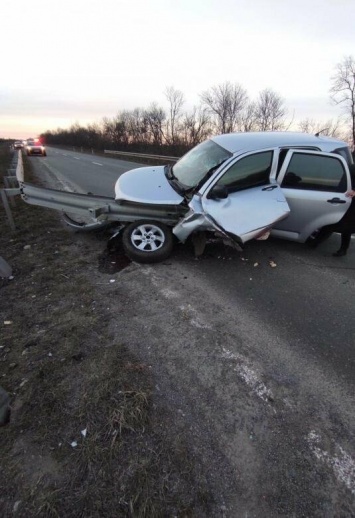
point(193, 166)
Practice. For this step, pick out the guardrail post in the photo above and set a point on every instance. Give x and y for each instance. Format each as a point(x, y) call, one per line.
point(7, 209)
point(7, 186)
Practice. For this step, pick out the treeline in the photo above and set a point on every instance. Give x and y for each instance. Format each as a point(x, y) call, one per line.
point(223, 109)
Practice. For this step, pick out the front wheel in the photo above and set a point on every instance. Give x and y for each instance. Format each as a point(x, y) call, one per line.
point(147, 241)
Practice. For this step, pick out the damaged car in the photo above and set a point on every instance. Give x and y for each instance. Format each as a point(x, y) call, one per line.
point(238, 186)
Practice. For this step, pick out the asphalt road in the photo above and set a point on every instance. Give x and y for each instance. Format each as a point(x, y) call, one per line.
point(83, 172)
point(261, 356)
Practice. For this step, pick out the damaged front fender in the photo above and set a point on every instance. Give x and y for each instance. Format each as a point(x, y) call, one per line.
point(197, 220)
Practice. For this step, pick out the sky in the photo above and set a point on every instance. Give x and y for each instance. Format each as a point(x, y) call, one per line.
point(77, 61)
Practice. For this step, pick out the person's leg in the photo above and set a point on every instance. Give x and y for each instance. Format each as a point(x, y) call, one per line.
point(345, 243)
point(321, 236)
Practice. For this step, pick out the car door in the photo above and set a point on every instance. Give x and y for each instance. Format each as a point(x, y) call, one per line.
point(314, 184)
point(252, 202)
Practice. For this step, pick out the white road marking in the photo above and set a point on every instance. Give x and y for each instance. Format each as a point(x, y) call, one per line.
point(192, 314)
point(249, 376)
point(76, 158)
point(96, 163)
point(169, 294)
point(341, 463)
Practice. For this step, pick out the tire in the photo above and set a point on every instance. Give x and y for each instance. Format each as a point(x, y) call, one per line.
point(147, 241)
point(44, 153)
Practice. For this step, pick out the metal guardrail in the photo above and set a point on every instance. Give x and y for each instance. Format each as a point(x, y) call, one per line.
point(100, 209)
point(142, 155)
point(11, 182)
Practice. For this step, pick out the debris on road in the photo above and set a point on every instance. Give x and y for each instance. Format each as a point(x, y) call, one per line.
point(4, 407)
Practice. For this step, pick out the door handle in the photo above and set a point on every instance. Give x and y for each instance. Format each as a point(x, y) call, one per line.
point(336, 200)
point(269, 188)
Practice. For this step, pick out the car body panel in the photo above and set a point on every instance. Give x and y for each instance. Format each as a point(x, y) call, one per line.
point(242, 215)
point(196, 219)
point(250, 212)
point(146, 185)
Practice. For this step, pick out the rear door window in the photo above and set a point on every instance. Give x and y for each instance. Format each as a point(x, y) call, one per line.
point(315, 172)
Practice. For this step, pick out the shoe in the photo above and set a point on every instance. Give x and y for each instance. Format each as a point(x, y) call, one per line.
point(339, 253)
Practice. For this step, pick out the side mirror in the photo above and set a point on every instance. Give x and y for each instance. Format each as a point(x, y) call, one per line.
point(218, 192)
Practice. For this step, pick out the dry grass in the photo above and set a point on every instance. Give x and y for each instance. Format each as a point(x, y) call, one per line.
point(67, 374)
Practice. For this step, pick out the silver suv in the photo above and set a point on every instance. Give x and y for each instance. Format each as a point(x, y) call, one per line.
point(241, 186)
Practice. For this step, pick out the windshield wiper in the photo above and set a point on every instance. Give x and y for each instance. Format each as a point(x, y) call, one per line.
point(174, 182)
point(169, 172)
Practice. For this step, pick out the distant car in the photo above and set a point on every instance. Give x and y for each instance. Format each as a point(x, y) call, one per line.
point(18, 144)
point(35, 148)
point(240, 186)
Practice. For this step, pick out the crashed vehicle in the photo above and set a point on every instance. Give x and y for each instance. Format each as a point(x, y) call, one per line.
point(238, 186)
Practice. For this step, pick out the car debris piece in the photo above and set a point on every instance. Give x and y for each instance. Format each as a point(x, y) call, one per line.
point(5, 269)
point(4, 407)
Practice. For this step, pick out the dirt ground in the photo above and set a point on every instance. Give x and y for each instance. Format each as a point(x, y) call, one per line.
point(88, 436)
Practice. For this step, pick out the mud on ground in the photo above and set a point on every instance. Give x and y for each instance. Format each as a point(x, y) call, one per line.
point(87, 435)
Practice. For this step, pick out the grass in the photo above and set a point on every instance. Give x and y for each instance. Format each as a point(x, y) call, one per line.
point(66, 374)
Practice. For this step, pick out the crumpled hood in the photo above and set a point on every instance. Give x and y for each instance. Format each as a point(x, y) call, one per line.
point(146, 185)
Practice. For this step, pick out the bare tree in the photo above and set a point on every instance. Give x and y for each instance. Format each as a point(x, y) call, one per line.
point(196, 126)
point(270, 111)
point(176, 101)
point(343, 90)
point(328, 128)
point(137, 126)
point(248, 118)
point(115, 130)
point(154, 118)
point(226, 102)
